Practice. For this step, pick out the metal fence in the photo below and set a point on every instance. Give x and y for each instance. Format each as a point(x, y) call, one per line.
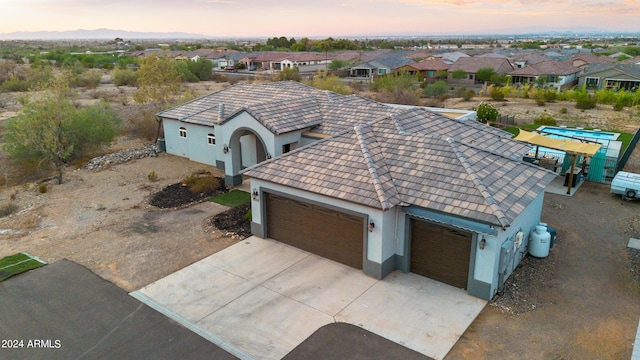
point(627, 153)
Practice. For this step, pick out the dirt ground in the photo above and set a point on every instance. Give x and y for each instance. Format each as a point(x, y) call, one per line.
point(102, 220)
point(588, 305)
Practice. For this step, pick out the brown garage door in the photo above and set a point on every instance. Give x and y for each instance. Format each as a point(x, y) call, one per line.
point(325, 232)
point(440, 253)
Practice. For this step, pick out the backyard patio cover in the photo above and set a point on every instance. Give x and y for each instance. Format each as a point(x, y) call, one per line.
point(572, 147)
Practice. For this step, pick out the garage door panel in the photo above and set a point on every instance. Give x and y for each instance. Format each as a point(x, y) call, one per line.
point(440, 253)
point(326, 232)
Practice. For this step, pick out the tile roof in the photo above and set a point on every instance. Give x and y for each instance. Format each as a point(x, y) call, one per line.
point(590, 58)
point(547, 67)
point(392, 60)
point(529, 58)
point(630, 70)
point(473, 64)
point(281, 107)
point(431, 64)
point(207, 110)
point(425, 122)
point(381, 165)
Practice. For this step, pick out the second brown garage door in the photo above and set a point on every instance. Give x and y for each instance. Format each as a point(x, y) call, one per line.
point(440, 253)
point(331, 234)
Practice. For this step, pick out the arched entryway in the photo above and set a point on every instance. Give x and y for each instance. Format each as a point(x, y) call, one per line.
point(246, 148)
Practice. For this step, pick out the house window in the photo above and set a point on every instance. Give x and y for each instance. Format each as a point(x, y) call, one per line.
point(288, 147)
point(382, 71)
point(592, 82)
point(431, 73)
point(470, 76)
point(211, 139)
point(183, 132)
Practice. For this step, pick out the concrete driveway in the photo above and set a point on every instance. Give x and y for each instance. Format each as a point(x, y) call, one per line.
point(261, 298)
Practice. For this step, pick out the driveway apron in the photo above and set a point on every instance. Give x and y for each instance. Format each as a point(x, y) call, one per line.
point(260, 298)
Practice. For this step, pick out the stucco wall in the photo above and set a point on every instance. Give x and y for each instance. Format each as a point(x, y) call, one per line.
point(488, 260)
point(195, 146)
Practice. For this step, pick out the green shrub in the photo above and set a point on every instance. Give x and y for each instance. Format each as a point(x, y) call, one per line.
point(486, 113)
point(248, 216)
point(289, 74)
point(563, 110)
point(496, 93)
point(43, 188)
point(437, 89)
point(124, 77)
point(331, 83)
point(585, 102)
point(540, 98)
point(7, 209)
point(459, 92)
point(618, 106)
point(550, 95)
point(468, 95)
point(606, 96)
point(152, 176)
point(90, 79)
point(199, 183)
point(545, 119)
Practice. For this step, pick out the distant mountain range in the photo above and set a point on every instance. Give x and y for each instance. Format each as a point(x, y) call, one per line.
point(97, 34)
point(110, 34)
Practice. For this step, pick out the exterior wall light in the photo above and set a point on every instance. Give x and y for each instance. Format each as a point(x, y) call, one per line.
point(371, 226)
point(225, 149)
point(482, 244)
point(255, 195)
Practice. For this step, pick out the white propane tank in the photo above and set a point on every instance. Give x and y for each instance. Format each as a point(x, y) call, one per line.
point(540, 242)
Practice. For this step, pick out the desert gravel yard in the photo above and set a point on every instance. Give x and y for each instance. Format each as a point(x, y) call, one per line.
point(102, 220)
point(582, 302)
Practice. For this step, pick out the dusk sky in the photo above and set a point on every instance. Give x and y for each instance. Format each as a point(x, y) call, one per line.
point(298, 18)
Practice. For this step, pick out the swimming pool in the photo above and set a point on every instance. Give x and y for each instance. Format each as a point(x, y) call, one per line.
point(601, 137)
point(563, 133)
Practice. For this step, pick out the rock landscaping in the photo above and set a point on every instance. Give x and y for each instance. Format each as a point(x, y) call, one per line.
point(121, 157)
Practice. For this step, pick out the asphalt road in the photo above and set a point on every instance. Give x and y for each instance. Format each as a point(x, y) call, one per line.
point(64, 311)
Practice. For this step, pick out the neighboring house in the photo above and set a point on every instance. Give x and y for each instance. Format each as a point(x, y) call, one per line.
point(359, 56)
point(583, 60)
point(453, 56)
point(383, 65)
point(559, 74)
point(555, 55)
point(633, 60)
point(526, 59)
point(619, 54)
point(471, 65)
point(266, 59)
point(304, 61)
point(375, 187)
point(611, 76)
point(429, 70)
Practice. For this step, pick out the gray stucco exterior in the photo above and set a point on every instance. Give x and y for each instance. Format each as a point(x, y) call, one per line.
point(386, 247)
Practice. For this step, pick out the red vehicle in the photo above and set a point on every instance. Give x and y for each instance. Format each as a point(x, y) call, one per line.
point(231, 68)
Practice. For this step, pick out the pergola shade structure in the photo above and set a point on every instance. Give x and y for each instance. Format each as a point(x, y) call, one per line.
point(572, 147)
